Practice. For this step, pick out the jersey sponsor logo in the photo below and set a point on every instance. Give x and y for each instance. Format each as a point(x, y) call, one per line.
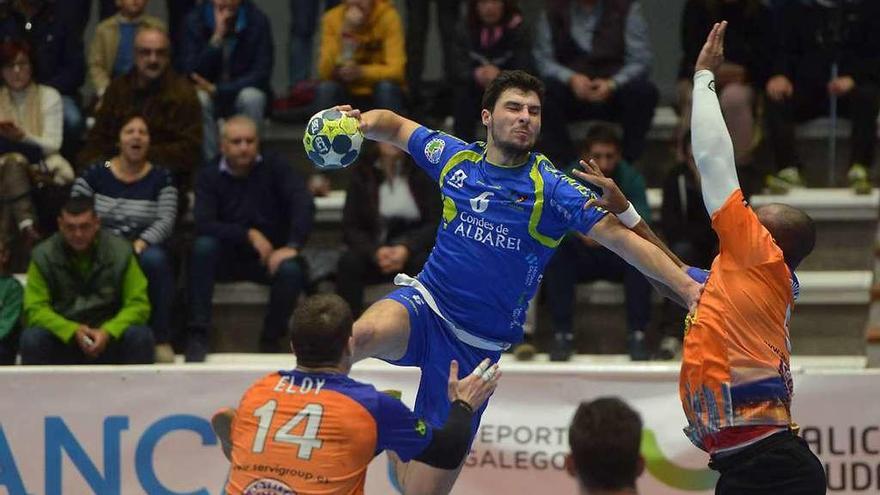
point(712, 85)
point(483, 231)
point(267, 486)
point(434, 149)
point(421, 428)
point(481, 203)
point(457, 179)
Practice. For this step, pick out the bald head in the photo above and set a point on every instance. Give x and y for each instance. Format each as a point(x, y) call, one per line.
point(791, 228)
point(239, 143)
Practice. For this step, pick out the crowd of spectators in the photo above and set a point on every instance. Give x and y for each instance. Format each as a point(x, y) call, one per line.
point(96, 180)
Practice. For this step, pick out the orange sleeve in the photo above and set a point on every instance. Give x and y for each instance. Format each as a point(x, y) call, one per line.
point(743, 241)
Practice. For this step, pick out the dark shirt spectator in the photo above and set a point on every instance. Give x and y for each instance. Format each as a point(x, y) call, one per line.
point(811, 37)
point(418, 18)
point(10, 309)
point(389, 222)
point(57, 52)
point(595, 57)
point(86, 297)
point(744, 72)
point(362, 57)
point(165, 99)
point(492, 38)
point(228, 53)
point(18, 220)
point(582, 259)
point(253, 214)
point(137, 200)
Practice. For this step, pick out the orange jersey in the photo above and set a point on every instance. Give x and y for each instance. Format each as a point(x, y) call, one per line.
point(315, 433)
point(735, 366)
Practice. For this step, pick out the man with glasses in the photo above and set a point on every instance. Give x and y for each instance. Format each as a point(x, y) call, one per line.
point(581, 259)
point(166, 99)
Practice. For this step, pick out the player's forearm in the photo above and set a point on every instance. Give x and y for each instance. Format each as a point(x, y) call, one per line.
point(645, 232)
point(450, 444)
point(711, 144)
point(651, 261)
point(382, 125)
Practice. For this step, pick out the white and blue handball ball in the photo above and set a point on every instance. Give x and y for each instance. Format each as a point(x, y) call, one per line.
point(332, 139)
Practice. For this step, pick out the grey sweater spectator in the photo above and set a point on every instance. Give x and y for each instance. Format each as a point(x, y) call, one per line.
point(595, 57)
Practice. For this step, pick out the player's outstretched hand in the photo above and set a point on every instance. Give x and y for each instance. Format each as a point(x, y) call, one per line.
point(612, 198)
point(712, 54)
point(221, 423)
point(476, 388)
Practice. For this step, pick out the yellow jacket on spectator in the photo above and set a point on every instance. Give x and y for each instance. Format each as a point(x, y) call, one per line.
point(378, 47)
point(105, 44)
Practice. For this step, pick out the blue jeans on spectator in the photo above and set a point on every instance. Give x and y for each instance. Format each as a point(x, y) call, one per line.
point(156, 266)
point(386, 94)
point(134, 346)
point(573, 263)
point(74, 125)
point(249, 101)
point(213, 260)
point(303, 22)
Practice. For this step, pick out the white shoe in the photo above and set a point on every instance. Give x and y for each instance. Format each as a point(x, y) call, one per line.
point(164, 353)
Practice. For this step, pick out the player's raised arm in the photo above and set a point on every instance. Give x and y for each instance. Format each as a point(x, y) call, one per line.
point(712, 147)
point(383, 125)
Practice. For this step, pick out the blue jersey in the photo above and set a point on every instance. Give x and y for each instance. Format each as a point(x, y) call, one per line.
point(500, 227)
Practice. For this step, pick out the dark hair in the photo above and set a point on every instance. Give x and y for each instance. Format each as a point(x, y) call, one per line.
point(518, 79)
point(320, 329)
point(127, 118)
point(9, 50)
point(511, 9)
point(77, 205)
point(791, 228)
point(601, 133)
point(605, 436)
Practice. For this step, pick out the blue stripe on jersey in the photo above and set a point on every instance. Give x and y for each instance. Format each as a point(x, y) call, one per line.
point(500, 227)
point(398, 428)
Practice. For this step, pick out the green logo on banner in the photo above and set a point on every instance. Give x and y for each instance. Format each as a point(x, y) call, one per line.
point(672, 474)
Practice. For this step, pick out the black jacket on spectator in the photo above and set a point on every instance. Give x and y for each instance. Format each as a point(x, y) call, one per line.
point(609, 44)
point(58, 54)
point(361, 224)
point(512, 50)
point(684, 218)
point(746, 42)
point(273, 199)
point(805, 45)
point(251, 59)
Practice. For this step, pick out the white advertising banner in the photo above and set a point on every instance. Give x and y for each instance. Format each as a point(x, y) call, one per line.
point(133, 430)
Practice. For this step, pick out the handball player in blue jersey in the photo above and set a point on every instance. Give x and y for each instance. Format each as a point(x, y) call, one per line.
point(505, 210)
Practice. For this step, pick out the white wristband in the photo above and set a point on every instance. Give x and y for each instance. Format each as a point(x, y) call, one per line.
point(629, 217)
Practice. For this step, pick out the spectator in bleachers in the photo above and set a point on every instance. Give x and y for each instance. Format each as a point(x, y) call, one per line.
point(688, 232)
point(418, 15)
point(31, 118)
point(744, 72)
point(10, 308)
point(580, 259)
point(389, 222)
point(605, 437)
point(111, 53)
point(137, 200)
point(228, 52)
point(362, 56)
point(77, 13)
point(165, 99)
point(595, 58)
point(492, 38)
point(812, 35)
point(86, 297)
point(18, 229)
point(303, 21)
point(57, 55)
point(253, 214)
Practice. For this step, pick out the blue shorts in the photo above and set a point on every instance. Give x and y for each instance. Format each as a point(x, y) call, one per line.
point(431, 347)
